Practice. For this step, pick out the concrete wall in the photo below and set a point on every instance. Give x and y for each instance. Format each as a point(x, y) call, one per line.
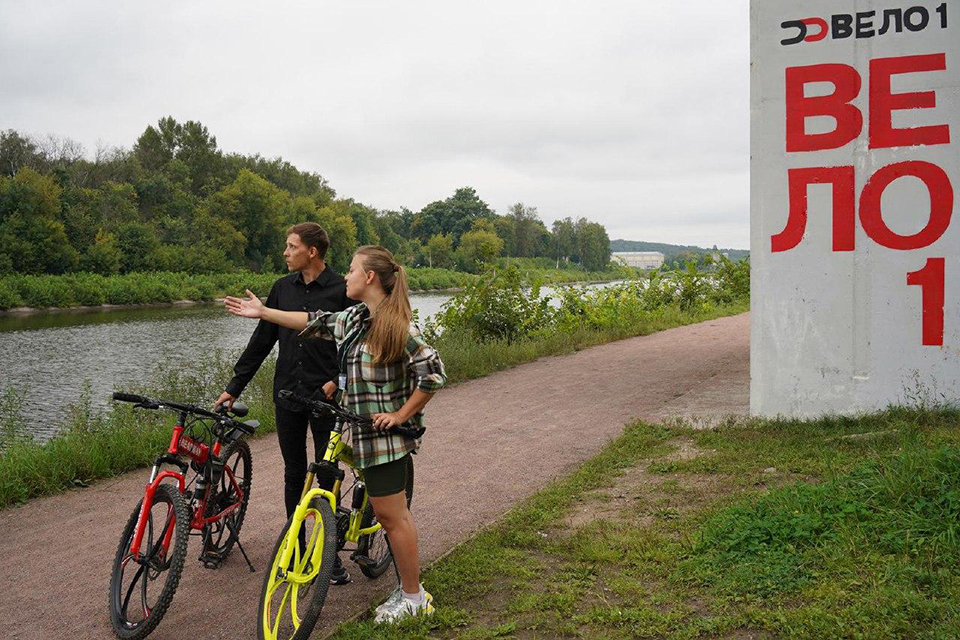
point(838, 329)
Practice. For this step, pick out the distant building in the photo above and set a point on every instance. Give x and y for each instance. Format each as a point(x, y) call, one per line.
point(640, 259)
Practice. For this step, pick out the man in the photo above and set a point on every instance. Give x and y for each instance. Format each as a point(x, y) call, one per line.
point(303, 366)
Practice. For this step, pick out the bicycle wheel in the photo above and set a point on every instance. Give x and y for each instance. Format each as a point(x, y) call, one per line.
point(218, 537)
point(142, 589)
point(375, 545)
point(288, 609)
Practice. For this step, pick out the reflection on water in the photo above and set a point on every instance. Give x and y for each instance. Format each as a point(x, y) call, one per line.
point(49, 356)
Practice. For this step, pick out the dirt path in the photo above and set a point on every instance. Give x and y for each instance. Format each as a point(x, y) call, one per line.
point(490, 443)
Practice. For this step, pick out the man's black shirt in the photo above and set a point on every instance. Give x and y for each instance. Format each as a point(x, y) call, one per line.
point(303, 366)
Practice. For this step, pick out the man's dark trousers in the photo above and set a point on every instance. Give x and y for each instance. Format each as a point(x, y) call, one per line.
point(292, 434)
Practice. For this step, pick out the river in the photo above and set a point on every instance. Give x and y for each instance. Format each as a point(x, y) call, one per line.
point(48, 357)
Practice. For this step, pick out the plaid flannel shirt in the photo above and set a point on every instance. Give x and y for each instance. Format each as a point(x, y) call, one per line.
point(378, 387)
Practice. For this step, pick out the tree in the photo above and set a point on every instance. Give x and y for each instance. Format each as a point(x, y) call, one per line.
point(32, 237)
point(478, 248)
point(439, 251)
point(506, 229)
point(455, 215)
point(103, 256)
point(528, 230)
point(138, 246)
point(593, 245)
point(564, 239)
point(336, 220)
point(383, 224)
point(363, 216)
point(16, 151)
point(116, 204)
point(259, 210)
point(190, 143)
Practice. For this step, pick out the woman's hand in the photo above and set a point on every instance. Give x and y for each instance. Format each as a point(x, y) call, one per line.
point(249, 307)
point(386, 421)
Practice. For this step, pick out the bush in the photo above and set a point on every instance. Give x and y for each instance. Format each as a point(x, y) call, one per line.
point(88, 288)
point(9, 297)
point(44, 291)
point(496, 306)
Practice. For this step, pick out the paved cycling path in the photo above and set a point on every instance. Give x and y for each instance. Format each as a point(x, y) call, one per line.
point(490, 443)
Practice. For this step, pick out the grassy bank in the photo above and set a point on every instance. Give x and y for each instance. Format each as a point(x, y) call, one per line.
point(89, 289)
point(839, 527)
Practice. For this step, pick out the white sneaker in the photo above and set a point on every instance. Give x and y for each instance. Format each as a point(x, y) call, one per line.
point(395, 608)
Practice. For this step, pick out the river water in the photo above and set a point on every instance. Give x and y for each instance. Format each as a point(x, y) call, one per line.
point(49, 357)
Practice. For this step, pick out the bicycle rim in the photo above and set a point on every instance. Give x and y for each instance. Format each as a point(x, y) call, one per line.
point(290, 608)
point(142, 588)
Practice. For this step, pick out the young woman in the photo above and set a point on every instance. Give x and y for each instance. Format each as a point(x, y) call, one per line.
point(391, 374)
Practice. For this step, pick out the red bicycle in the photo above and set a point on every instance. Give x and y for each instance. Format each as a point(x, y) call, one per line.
point(153, 547)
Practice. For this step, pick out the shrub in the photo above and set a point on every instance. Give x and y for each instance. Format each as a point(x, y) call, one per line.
point(9, 297)
point(496, 306)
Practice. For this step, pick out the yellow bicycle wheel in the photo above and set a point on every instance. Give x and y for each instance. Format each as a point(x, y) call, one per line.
point(293, 595)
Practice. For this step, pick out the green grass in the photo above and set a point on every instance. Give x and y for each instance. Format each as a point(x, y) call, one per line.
point(89, 289)
point(778, 528)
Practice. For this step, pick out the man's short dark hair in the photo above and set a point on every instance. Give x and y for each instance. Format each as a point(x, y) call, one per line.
point(312, 235)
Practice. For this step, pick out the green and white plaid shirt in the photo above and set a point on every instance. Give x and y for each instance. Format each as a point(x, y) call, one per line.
point(378, 387)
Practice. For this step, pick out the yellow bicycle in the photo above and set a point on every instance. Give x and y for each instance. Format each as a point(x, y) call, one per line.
point(295, 586)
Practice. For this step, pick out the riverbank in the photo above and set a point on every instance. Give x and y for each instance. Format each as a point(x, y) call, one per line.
point(94, 444)
point(826, 528)
point(24, 295)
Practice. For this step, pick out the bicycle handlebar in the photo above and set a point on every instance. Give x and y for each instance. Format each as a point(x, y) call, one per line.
point(346, 414)
point(151, 403)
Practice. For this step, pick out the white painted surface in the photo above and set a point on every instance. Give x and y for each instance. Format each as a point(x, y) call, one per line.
point(840, 332)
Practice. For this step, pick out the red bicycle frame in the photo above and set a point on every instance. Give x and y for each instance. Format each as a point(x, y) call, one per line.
point(200, 453)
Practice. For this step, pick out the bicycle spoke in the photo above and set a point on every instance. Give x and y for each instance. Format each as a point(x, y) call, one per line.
point(133, 585)
point(152, 549)
point(286, 594)
point(143, 598)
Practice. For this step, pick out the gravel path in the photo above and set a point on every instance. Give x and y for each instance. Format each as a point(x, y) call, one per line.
point(490, 443)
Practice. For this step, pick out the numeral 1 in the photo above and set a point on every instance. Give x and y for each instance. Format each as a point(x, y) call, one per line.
point(930, 281)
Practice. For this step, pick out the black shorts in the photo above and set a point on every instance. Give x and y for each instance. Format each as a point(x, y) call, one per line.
point(390, 477)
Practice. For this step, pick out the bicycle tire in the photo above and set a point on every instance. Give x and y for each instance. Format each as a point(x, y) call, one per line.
point(172, 566)
point(316, 591)
point(375, 546)
point(222, 496)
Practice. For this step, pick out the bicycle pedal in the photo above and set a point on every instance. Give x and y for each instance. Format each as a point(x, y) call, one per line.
point(212, 561)
point(362, 560)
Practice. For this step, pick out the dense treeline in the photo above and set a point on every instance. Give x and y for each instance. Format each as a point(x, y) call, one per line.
point(175, 202)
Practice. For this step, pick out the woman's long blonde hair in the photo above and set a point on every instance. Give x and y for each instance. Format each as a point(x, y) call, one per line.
point(391, 326)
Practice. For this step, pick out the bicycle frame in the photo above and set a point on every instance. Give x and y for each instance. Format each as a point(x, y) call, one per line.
point(337, 449)
point(181, 444)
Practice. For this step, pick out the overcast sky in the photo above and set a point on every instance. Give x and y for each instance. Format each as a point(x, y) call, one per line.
point(633, 114)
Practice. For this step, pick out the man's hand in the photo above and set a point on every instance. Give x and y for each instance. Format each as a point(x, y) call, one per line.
point(224, 398)
point(386, 421)
point(329, 389)
point(249, 307)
